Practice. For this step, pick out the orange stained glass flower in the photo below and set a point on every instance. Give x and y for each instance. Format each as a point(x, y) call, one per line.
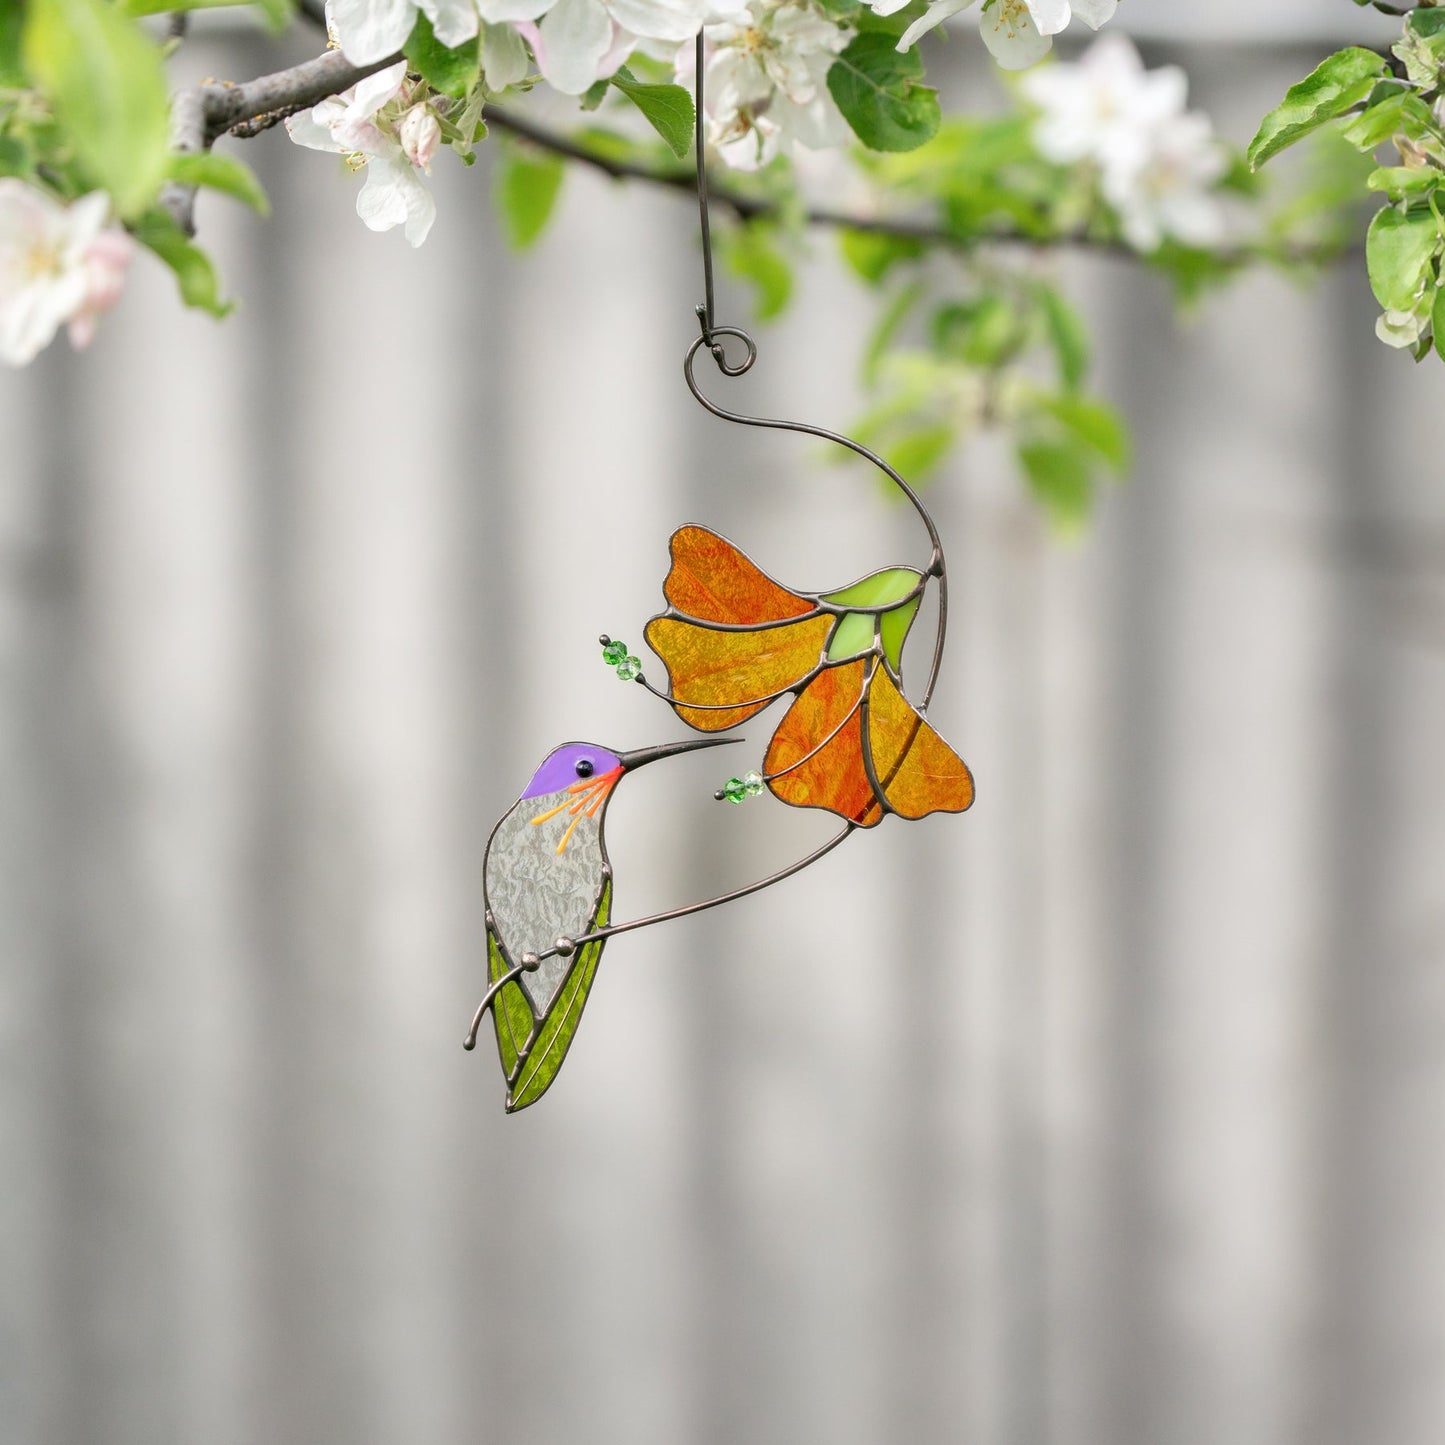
point(734, 641)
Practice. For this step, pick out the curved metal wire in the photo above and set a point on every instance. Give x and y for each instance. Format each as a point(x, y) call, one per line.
point(711, 332)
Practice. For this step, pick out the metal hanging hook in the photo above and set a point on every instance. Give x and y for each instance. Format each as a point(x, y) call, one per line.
point(711, 331)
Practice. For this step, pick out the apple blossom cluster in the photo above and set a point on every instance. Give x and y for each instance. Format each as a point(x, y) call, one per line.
point(766, 81)
point(1157, 163)
point(767, 65)
point(390, 129)
point(59, 266)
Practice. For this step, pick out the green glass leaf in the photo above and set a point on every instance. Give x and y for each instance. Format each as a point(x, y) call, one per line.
point(1400, 249)
point(527, 186)
point(893, 630)
point(877, 589)
point(220, 173)
point(1337, 85)
point(881, 94)
point(452, 71)
point(856, 630)
point(852, 635)
point(668, 109)
point(103, 74)
point(195, 275)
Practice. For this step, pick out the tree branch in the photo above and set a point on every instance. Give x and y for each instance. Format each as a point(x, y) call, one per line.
point(205, 112)
point(754, 208)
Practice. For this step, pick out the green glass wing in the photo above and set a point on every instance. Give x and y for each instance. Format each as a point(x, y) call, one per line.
point(532, 1049)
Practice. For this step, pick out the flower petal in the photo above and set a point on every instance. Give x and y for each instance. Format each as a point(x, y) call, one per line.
point(370, 30)
point(815, 759)
point(394, 195)
point(1049, 16)
point(728, 676)
point(714, 582)
point(918, 772)
point(1011, 35)
point(935, 15)
point(1095, 13)
point(576, 34)
point(453, 22)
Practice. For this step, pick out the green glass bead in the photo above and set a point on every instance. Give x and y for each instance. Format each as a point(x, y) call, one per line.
point(753, 783)
point(614, 653)
point(735, 790)
point(629, 668)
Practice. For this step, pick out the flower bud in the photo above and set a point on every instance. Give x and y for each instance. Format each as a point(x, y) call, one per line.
point(420, 133)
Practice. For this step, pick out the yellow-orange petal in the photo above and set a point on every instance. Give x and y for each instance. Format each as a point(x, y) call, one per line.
point(833, 777)
point(735, 673)
point(918, 772)
point(712, 581)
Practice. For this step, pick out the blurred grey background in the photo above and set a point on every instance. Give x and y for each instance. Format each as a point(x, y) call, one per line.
point(1110, 1114)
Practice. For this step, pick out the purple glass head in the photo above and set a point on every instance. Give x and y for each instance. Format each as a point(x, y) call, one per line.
point(571, 763)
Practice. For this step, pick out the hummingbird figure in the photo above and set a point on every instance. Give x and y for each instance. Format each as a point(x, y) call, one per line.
point(547, 883)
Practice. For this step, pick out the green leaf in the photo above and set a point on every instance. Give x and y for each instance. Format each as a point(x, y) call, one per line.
point(751, 254)
point(1067, 335)
point(278, 13)
point(452, 71)
point(103, 74)
point(668, 109)
point(1059, 475)
point(873, 256)
point(12, 73)
point(1437, 319)
point(527, 186)
point(1339, 84)
point(1399, 113)
point(917, 454)
point(594, 95)
point(881, 94)
point(895, 313)
point(1400, 181)
point(1400, 250)
point(1097, 426)
point(195, 275)
point(220, 173)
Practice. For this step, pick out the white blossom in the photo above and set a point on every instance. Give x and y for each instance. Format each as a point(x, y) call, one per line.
point(579, 42)
point(1169, 193)
point(1158, 164)
point(59, 265)
point(368, 30)
point(1402, 329)
point(361, 124)
point(766, 81)
point(1017, 32)
point(1104, 107)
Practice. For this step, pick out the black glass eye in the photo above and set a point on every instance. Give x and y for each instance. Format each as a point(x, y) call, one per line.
point(584, 767)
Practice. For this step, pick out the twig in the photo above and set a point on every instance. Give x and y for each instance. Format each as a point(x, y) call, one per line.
point(209, 110)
